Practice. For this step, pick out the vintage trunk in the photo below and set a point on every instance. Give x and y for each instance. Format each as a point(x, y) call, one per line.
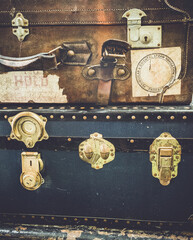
point(145, 183)
point(58, 51)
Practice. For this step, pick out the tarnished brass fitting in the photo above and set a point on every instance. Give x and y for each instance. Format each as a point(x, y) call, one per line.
point(28, 127)
point(97, 151)
point(32, 164)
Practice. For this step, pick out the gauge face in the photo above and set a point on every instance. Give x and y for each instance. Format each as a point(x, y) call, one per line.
point(155, 71)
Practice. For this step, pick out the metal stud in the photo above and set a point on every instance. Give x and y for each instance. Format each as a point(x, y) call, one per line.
point(5, 116)
point(62, 107)
point(74, 117)
point(19, 107)
point(51, 107)
point(84, 117)
point(132, 141)
point(159, 117)
point(51, 116)
point(108, 117)
point(62, 116)
point(146, 117)
point(95, 117)
point(40, 107)
point(184, 117)
point(4, 107)
point(172, 117)
point(133, 117)
point(69, 139)
point(118, 117)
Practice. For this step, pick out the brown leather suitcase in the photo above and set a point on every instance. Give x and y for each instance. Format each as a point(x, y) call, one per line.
point(96, 51)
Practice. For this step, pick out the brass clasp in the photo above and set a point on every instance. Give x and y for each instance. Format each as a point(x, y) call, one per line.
point(165, 154)
point(28, 127)
point(32, 164)
point(97, 151)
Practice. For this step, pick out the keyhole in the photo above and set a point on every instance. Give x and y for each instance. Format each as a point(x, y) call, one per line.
point(146, 38)
point(30, 163)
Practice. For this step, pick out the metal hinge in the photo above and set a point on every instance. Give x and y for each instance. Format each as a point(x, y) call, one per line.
point(19, 24)
point(165, 154)
point(141, 36)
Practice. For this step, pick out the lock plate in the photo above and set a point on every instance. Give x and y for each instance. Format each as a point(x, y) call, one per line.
point(32, 164)
point(19, 24)
point(141, 36)
point(96, 151)
point(28, 127)
point(165, 154)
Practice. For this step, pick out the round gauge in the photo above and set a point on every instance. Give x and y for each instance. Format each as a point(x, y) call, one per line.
point(155, 71)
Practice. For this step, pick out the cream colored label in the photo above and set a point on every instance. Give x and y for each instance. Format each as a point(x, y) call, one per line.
point(152, 69)
point(22, 87)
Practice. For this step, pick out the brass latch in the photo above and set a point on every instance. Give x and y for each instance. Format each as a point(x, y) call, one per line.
point(97, 151)
point(28, 127)
point(141, 36)
point(18, 23)
point(165, 154)
point(32, 164)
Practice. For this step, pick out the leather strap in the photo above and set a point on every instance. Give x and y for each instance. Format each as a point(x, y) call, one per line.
point(41, 61)
point(104, 91)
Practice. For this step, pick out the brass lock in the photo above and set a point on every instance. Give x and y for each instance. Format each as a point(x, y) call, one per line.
point(32, 164)
point(28, 127)
point(165, 154)
point(97, 151)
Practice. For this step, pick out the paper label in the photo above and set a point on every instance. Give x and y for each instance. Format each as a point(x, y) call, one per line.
point(22, 87)
point(152, 69)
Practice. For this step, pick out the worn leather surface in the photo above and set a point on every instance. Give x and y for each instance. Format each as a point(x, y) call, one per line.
point(98, 21)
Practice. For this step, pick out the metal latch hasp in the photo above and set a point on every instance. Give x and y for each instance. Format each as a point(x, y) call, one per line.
point(19, 24)
point(165, 154)
point(141, 36)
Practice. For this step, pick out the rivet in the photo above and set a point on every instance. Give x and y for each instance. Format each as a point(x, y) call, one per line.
point(84, 117)
point(94, 117)
point(23, 216)
point(133, 117)
point(82, 107)
point(95, 220)
point(145, 108)
point(75, 219)
point(51, 116)
point(155, 174)
point(121, 72)
point(116, 221)
point(91, 72)
point(108, 117)
point(40, 107)
point(149, 223)
point(159, 117)
point(62, 107)
point(124, 107)
point(91, 107)
point(138, 223)
point(19, 107)
point(73, 117)
point(5, 116)
point(86, 219)
point(161, 224)
point(128, 14)
point(51, 107)
point(62, 116)
point(112, 154)
point(172, 117)
point(119, 117)
point(32, 216)
point(173, 175)
point(30, 107)
point(157, 107)
point(102, 107)
point(65, 219)
point(135, 108)
point(105, 220)
point(158, 28)
point(69, 139)
point(158, 44)
point(128, 222)
point(42, 217)
point(170, 224)
point(184, 117)
point(9, 139)
point(4, 107)
point(146, 117)
point(132, 141)
point(114, 107)
point(72, 107)
point(52, 218)
point(70, 53)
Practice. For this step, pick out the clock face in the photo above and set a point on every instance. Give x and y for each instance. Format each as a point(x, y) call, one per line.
point(155, 71)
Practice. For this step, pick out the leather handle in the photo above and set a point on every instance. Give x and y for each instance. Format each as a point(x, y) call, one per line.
point(41, 61)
